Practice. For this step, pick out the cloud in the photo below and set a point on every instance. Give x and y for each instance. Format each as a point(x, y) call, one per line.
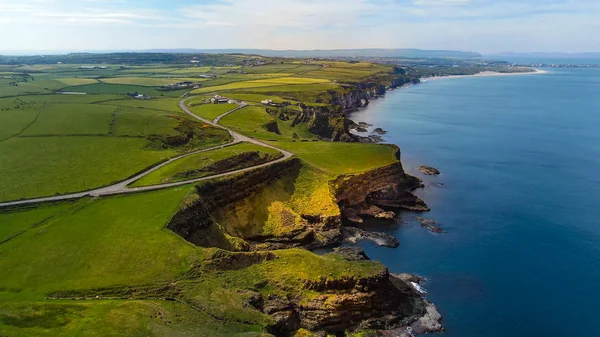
point(480, 25)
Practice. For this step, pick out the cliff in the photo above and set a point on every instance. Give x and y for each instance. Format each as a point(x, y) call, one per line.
point(370, 192)
point(331, 123)
point(268, 208)
point(254, 211)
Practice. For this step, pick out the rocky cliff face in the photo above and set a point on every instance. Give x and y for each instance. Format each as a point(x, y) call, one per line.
point(378, 302)
point(232, 214)
point(333, 124)
point(387, 187)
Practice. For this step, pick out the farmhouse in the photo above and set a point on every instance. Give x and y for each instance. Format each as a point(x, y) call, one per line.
point(179, 86)
point(220, 100)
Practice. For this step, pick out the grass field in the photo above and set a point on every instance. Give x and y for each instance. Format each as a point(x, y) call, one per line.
point(122, 89)
point(120, 246)
point(36, 167)
point(121, 241)
point(342, 158)
point(72, 119)
point(212, 111)
point(78, 81)
point(198, 161)
point(165, 104)
point(56, 148)
point(138, 122)
point(253, 120)
point(148, 81)
point(232, 86)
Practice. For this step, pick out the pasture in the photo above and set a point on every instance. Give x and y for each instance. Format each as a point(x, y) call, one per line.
point(173, 172)
point(342, 158)
point(212, 111)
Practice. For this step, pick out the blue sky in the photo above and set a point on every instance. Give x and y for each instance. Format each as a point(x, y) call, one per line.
point(475, 25)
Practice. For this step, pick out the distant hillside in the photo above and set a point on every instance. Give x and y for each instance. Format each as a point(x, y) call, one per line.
point(539, 55)
point(408, 53)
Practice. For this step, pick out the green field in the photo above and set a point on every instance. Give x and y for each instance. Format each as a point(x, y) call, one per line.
point(78, 81)
point(253, 120)
point(199, 161)
point(36, 167)
point(147, 81)
point(121, 241)
point(122, 89)
point(165, 104)
point(212, 111)
point(231, 86)
point(49, 148)
point(342, 158)
point(103, 266)
point(72, 119)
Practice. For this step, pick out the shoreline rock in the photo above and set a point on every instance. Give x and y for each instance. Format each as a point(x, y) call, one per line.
point(354, 235)
point(428, 170)
point(431, 225)
point(380, 131)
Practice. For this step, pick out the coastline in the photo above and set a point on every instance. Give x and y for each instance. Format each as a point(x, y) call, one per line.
point(487, 74)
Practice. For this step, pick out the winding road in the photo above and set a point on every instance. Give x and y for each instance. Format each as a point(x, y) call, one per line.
point(121, 187)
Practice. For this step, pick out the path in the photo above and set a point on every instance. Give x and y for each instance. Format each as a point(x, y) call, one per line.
point(121, 187)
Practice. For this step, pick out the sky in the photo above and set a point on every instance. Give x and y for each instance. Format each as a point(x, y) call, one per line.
point(486, 26)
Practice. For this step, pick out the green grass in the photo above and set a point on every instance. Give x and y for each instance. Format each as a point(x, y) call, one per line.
point(98, 244)
point(257, 98)
point(198, 161)
point(16, 120)
point(72, 119)
point(292, 80)
point(143, 122)
point(252, 121)
point(121, 241)
point(146, 81)
point(307, 93)
point(165, 104)
point(122, 89)
point(77, 81)
point(36, 167)
point(231, 86)
point(342, 158)
point(15, 223)
point(212, 111)
point(112, 318)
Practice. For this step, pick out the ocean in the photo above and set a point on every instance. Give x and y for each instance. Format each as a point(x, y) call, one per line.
point(520, 201)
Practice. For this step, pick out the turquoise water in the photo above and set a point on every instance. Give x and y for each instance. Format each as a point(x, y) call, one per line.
point(520, 160)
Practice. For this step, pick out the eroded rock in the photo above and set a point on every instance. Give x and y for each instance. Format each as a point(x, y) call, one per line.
point(354, 235)
point(431, 225)
point(428, 170)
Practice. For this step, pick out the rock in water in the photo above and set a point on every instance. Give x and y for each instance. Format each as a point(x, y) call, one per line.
point(430, 322)
point(353, 235)
point(428, 170)
point(431, 225)
point(361, 129)
point(380, 131)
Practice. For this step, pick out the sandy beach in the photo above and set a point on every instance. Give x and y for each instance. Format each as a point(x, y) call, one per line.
point(487, 74)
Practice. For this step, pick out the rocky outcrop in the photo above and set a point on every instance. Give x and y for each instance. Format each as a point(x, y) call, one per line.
point(326, 123)
point(376, 302)
point(431, 225)
point(354, 235)
point(386, 187)
point(332, 124)
point(232, 213)
point(428, 170)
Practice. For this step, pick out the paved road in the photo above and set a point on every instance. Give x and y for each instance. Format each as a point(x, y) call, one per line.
point(121, 187)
